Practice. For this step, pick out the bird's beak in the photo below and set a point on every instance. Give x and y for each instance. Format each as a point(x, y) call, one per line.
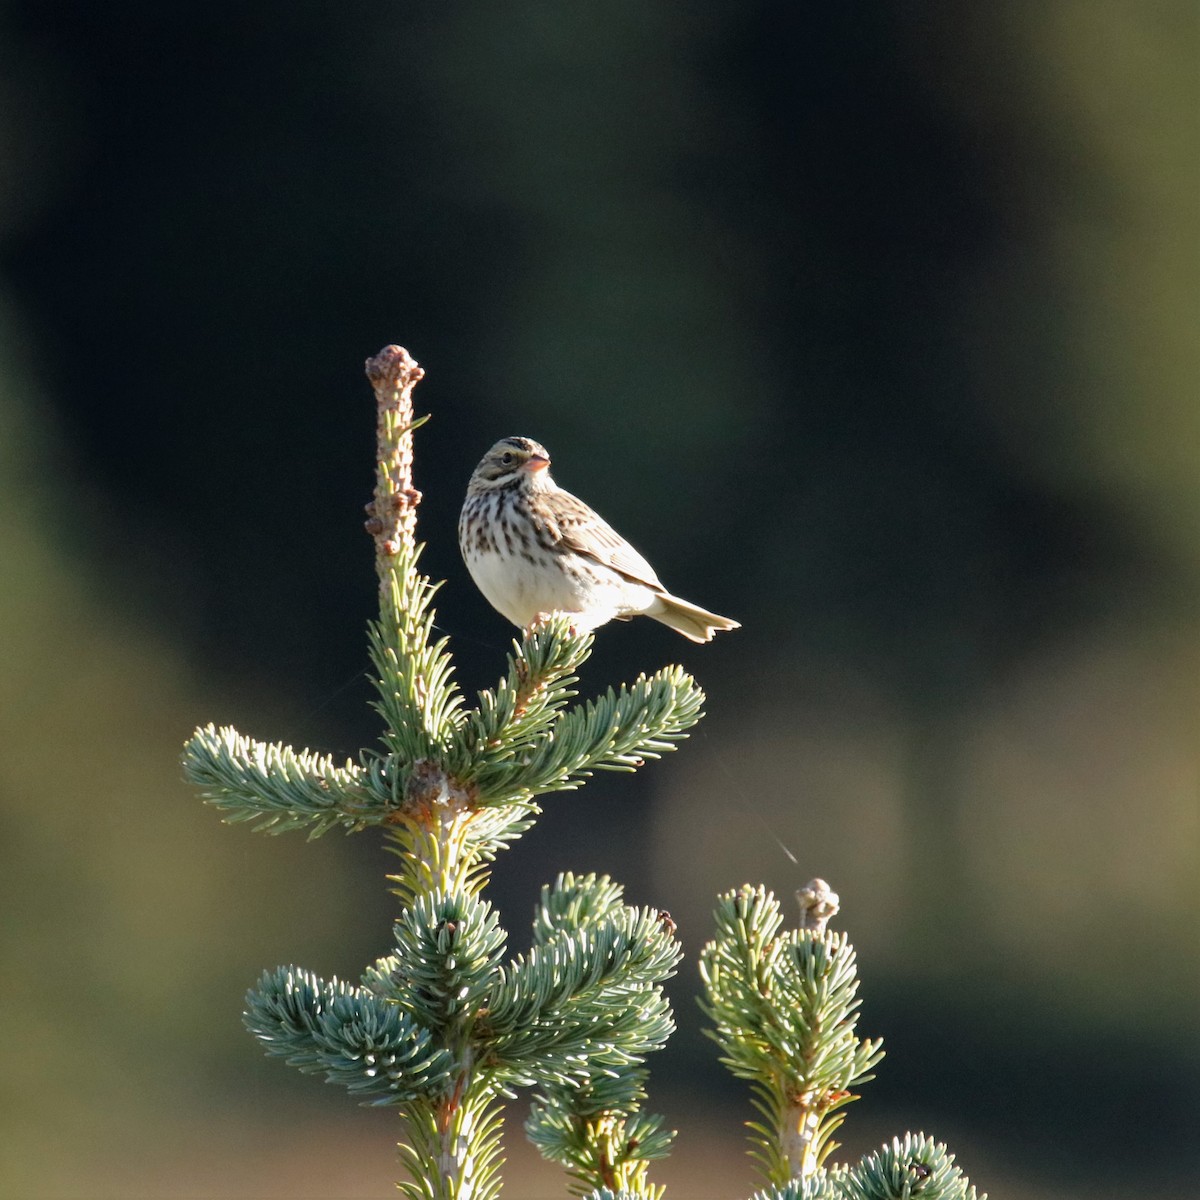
point(535, 463)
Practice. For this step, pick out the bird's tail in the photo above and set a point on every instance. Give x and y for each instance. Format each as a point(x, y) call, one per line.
point(689, 619)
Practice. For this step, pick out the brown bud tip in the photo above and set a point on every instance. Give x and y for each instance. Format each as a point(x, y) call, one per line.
point(373, 525)
point(818, 904)
point(393, 365)
point(401, 501)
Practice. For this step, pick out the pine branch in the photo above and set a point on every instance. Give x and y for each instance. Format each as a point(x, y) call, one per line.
point(584, 998)
point(575, 902)
point(447, 958)
point(784, 1010)
point(346, 1033)
point(588, 1118)
point(913, 1166)
point(443, 839)
point(279, 788)
point(600, 1148)
point(616, 732)
point(820, 1185)
point(539, 682)
point(418, 699)
point(453, 1150)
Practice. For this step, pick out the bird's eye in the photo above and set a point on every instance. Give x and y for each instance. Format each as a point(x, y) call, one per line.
point(508, 458)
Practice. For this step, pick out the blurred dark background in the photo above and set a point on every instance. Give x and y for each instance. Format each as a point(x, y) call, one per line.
point(871, 324)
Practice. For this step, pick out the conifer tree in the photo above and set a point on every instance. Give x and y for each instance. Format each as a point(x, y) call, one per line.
point(446, 1027)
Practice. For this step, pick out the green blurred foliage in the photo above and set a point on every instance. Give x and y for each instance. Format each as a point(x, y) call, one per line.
point(134, 920)
point(872, 324)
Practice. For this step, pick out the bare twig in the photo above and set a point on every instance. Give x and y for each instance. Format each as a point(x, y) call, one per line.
point(392, 514)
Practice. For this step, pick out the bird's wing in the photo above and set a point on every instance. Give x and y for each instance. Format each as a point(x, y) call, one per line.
point(584, 531)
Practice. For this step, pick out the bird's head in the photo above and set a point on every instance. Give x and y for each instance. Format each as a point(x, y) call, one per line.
point(512, 460)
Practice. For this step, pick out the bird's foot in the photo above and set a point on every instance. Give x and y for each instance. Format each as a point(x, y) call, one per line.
point(542, 619)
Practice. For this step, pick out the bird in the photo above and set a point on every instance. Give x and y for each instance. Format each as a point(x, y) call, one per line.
point(533, 549)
